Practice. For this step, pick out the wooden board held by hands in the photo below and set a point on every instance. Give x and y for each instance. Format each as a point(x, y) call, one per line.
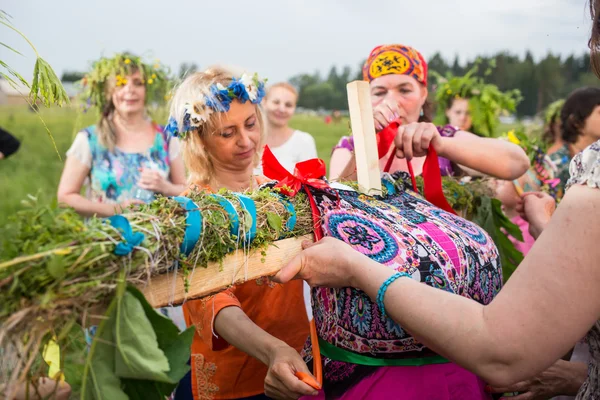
point(237, 267)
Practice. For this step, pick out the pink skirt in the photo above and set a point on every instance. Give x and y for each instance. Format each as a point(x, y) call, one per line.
point(427, 382)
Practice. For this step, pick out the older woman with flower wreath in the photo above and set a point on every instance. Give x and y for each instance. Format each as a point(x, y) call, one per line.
point(247, 337)
point(126, 157)
point(397, 75)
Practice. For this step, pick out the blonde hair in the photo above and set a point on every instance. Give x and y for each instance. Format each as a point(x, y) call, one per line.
point(197, 85)
point(283, 85)
point(107, 134)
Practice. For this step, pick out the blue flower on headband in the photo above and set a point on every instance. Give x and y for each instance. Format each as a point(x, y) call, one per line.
point(187, 122)
point(260, 93)
point(219, 99)
point(239, 90)
point(172, 128)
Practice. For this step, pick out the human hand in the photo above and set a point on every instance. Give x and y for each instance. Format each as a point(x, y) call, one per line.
point(124, 205)
point(45, 388)
point(537, 209)
point(151, 179)
point(413, 140)
point(557, 380)
point(384, 113)
point(281, 381)
point(327, 262)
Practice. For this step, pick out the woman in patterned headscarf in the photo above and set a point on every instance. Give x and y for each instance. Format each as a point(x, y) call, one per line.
point(398, 78)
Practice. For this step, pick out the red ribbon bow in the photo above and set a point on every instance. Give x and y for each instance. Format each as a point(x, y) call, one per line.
point(306, 173)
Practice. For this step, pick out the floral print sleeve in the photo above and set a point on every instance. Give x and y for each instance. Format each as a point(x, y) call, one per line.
point(585, 167)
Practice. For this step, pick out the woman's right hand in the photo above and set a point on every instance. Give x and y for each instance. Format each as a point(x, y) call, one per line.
point(537, 209)
point(384, 113)
point(281, 381)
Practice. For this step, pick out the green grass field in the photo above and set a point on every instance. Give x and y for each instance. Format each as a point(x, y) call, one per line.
point(35, 169)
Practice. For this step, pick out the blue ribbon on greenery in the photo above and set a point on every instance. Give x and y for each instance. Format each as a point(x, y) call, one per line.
point(234, 220)
point(291, 222)
point(130, 238)
point(193, 224)
point(249, 206)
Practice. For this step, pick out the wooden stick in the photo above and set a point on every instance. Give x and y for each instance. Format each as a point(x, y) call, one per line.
point(365, 141)
point(238, 267)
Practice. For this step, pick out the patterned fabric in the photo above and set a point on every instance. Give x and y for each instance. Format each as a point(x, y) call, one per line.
point(585, 170)
point(561, 160)
point(395, 59)
point(407, 234)
point(347, 142)
point(113, 175)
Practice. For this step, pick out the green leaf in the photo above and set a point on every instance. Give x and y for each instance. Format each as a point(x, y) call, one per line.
point(175, 346)
point(99, 381)
point(14, 73)
point(274, 221)
point(10, 48)
point(137, 354)
point(33, 94)
point(56, 267)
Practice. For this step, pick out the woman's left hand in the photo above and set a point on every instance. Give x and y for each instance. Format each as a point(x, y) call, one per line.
point(413, 140)
point(151, 179)
point(327, 262)
point(557, 380)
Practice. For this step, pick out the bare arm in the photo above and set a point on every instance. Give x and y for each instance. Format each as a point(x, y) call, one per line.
point(177, 176)
point(283, 361)
point(69, 191)
point(342, 165)
point(534, 320)
point(498, 158)
point(509, 339)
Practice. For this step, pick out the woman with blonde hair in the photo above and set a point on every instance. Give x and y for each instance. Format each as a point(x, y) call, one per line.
point(290, 146)
point(247, 337)
point(126, 156)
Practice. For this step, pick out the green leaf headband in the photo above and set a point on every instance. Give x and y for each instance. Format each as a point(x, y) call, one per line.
point(119, 67)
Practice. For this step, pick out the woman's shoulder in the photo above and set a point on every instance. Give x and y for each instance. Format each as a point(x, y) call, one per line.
point(345, 142)
point(303, 136)
point(585, 167)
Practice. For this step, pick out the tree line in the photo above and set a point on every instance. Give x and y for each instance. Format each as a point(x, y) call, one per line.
point(541, 82)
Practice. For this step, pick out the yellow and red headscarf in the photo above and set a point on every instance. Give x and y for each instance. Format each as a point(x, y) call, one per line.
point(395, 59)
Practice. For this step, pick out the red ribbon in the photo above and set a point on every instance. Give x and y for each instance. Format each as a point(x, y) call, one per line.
point(432, 176)
point(306, 174)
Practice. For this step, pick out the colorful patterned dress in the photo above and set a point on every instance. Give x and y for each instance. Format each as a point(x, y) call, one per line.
point(367, 355)
point(113, 175)
point(585, 170)
point(561, 160)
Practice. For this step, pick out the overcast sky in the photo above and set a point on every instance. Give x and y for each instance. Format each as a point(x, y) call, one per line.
point(278, 38)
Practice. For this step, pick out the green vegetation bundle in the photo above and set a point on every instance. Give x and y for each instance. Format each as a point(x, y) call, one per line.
point(58, 272)
point(56, 269)
point(486, 101)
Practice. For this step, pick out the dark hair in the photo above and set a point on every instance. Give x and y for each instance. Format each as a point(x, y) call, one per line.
point(578, 107)
point(594, 43)
point(427, 112)
point(549, 134)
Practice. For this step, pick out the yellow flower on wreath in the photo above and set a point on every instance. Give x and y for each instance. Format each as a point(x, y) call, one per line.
point(127, 61)
point(512, 137)
point(150, 81)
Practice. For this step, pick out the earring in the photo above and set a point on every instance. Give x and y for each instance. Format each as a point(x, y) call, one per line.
point(422, 113)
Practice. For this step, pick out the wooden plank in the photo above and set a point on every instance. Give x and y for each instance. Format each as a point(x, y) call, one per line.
point(238, 267)
point(365, 142)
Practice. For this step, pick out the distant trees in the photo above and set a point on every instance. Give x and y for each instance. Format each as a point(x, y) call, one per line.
point(540, 82)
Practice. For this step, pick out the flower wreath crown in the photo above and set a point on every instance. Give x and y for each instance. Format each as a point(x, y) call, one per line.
point(246, 88)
